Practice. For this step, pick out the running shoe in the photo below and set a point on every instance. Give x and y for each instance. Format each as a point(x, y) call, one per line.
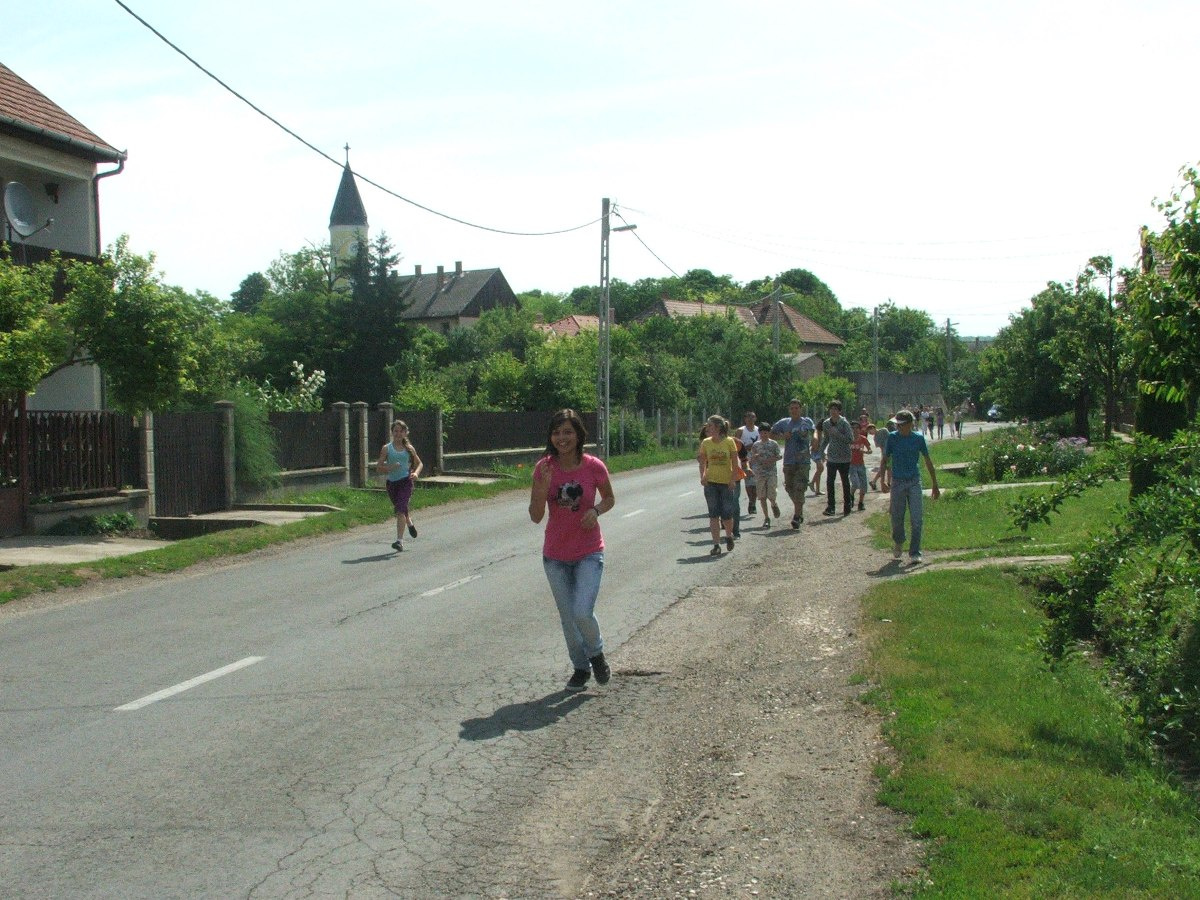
point(579, 680)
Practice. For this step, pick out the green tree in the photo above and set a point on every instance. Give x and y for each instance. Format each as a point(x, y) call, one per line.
point(501, 382)
point(33, 338)
point(157, 344)
point(369, 335)
point(1021, 372)
point(250, 293)
point(1164, 311)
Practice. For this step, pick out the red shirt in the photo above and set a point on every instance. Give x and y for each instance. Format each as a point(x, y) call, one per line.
point(571, 495)
point(861, 444)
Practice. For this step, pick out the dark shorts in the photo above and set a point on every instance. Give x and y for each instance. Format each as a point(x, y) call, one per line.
point(722, 502)
point(399, 493)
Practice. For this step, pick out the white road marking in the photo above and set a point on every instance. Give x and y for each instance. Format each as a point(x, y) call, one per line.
point(687, 493)
point(189, 684)
point(445, 587)
point(630, 515)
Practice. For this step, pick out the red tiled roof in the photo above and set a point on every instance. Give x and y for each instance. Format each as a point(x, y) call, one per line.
point(25, 109)
point(681, 309)
point(569, 326)
point(808, 330)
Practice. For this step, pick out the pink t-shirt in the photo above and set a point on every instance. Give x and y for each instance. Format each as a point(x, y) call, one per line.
point(571, 495)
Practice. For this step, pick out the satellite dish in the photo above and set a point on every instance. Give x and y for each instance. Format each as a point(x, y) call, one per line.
point(18, 207)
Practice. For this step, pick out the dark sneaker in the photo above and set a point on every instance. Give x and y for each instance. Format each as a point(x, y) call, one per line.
point(728, 543)
point(766, 523)
point(412, 530)
point(600, 669)
point(795, 521)
point(846, 510)
point(829, 511)
point(897, 549)
point(397, 546)
point(715, 551)
point(775, 510)
point(579, 680)
point(861, 506)
point(751, 512)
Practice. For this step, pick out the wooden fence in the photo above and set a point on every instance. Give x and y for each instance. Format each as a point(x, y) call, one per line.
point(72, 455)
point(81, 453)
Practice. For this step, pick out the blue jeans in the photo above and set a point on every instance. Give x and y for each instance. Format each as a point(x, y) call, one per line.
point(575, 586)
point(906, 493)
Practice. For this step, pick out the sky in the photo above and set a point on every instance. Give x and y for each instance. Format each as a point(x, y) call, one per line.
point(946, 156)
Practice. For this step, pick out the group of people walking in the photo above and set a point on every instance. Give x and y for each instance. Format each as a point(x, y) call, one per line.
point(750, 455)
point(575, 489)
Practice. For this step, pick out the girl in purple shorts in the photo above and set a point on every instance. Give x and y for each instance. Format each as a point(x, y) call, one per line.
point(398, 458)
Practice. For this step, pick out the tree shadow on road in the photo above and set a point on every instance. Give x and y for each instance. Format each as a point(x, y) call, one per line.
point(522, 716)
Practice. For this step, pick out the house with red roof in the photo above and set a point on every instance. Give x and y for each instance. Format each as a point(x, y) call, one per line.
point(54, 162)
point(569, 326)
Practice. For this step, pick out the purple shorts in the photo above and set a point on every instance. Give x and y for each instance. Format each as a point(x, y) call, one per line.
point(399, 492)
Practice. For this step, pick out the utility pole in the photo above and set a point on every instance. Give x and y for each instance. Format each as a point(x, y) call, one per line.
point(949, 355)
point(875, 356)
point(602, 369)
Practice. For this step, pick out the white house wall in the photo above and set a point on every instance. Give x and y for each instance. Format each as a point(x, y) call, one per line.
point(75, 387)
point(74, 228)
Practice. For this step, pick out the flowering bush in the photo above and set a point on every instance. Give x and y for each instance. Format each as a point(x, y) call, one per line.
point(1020, 453)
point(303, 396)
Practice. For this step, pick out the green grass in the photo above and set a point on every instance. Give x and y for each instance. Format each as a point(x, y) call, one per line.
point(1025, 782)
point(358, 507)
point(962, 521)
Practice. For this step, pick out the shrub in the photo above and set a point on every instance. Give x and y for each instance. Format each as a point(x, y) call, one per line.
point(1016, 453)
point(1135, 595)
point(254, 450)
point(113, 523)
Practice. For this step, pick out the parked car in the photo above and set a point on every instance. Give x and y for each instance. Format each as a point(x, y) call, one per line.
point(995, 413)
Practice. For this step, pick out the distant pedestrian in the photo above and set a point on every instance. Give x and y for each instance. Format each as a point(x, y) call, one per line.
point(399, 460)
point(837, 434)
point(902, 476)
point(718, 464)
point(940, 417)
point(797, 432)
point(764, 456)
point(568, 482)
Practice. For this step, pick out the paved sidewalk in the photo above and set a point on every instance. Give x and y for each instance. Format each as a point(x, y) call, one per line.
point(31, 550)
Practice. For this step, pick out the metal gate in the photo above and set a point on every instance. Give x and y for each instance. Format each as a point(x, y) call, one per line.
point(189, 463)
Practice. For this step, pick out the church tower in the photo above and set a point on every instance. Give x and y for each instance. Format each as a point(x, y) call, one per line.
point(348, 220)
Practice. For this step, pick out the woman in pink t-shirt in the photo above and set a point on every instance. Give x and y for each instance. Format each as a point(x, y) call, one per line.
point(568, 481)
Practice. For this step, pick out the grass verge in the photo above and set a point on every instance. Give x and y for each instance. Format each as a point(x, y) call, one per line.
point(970, 521)
point(1024, 780)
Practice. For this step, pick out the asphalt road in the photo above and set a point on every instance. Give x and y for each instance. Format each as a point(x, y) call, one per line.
point(335, 719)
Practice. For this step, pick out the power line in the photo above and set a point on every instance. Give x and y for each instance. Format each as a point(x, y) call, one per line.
point(162, 37)
point(647, 246)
